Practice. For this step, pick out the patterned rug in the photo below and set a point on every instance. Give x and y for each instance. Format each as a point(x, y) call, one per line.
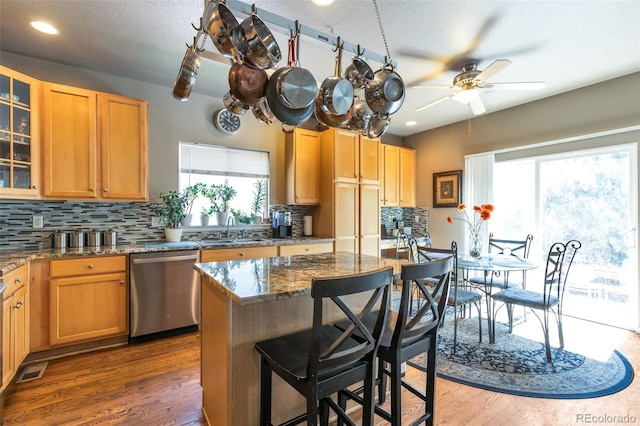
point(516, 365)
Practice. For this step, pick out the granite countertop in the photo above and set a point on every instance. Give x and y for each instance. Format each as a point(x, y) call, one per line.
point(12, 259)
point(259, 280)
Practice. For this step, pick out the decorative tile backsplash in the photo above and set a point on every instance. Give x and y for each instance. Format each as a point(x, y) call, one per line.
point(132, 222)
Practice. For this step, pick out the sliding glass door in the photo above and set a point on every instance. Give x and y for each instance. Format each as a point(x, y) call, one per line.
point(590, 196)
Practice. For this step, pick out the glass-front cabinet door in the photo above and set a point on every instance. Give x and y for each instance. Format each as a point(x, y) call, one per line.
point(19, 135)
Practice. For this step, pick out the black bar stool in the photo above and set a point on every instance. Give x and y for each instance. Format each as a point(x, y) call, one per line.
point(324, 360)
point(407, 336)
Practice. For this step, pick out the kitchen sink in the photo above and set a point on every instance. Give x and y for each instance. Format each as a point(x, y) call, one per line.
point(228, 242)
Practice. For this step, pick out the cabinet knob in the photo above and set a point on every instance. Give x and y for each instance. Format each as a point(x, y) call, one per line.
point(121, 282)
point(106, 190)
point(241, 254)
point(17, 280)
point(90, 266)
point(92, 190)
point(35, 186)
point(18, 305)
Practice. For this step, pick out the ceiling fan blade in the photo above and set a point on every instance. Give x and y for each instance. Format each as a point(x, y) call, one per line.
point(477, 106)
point(432, 103)
point(529, 85)
point(495, 67)
point(432, 86)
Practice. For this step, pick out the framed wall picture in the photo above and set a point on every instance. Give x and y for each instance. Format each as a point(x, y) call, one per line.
point(447, 188)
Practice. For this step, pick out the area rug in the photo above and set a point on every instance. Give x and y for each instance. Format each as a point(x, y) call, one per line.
point(516, 365)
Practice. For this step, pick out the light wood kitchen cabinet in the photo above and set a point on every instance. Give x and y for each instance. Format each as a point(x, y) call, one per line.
point(19, 135)
point(302, 155)
point(88, 299)
point(407, 179)
point(350, 178)
point(223, 254)
point(310, 248)
point(95, 145)
point(15, 322)
point(399, 176)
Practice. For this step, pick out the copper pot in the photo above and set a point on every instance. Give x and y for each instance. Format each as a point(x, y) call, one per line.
point(248, 85)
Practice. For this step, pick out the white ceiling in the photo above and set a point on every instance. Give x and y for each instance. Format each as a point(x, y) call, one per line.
point(567, 43)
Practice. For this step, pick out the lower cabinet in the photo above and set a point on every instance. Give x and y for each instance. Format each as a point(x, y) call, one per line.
point(311, 248)
point(15, 322)
point(219, 255)
point(88, 299)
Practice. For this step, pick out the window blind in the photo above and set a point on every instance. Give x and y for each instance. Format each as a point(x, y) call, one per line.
point(223, 161)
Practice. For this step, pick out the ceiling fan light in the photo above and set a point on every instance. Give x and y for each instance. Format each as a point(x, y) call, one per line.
point(466, 96)
point(44, 27)
point(322, 2)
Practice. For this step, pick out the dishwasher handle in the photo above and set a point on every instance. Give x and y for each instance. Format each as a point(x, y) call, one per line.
point(164, 259)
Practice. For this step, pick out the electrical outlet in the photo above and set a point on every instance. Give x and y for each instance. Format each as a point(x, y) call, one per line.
point(417, 219)
point(155, 222)
point(38, 221)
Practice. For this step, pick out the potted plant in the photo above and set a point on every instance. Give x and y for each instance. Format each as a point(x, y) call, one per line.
point(259, 195)
point(205, 216)
point(190, 193)
point(219, 196)
point(171, 212)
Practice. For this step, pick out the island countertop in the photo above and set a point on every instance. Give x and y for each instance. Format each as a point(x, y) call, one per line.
point(264, 279)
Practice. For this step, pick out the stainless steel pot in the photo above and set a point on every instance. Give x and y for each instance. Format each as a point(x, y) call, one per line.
point(248, 85)
point(59, 239)
point(220, 27)
point(234, 105)
point(361, 116)
point(296, 87)
point(331, 120)
point(288, 116)
point(359, 73)
point(255, 43)
point(336, 93)
point(186, 74)
point(385, 93)
point(262, 112)
point(378, 124)
point(94, 238)
point(110, 237)
point(76, 239)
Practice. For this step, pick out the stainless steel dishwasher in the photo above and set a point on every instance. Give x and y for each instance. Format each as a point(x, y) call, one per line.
point(164, 292)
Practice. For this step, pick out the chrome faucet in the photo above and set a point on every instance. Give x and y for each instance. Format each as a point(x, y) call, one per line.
point(230, 218)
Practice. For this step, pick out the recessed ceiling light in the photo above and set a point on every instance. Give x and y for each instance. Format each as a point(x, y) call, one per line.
point(44, 27)
point(411, 123)
point(322, 2)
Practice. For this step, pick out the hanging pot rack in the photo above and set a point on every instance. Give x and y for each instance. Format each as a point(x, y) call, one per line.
point(283, 26)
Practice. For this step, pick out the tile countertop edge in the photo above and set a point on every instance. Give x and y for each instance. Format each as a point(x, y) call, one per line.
point(10, 260)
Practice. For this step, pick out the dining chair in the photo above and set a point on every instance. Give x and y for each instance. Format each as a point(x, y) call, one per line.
point(323, 360)
point(402, 246)
point(407, 336)
point(507, 247)
point(461, 296)
point(559, 261)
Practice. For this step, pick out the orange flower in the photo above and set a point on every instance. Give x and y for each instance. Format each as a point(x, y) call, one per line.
point(449, 219)
point(487, 207)
point(461, 207)
point(484, 214)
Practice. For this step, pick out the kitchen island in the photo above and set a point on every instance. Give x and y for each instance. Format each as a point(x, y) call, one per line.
point(245, 301)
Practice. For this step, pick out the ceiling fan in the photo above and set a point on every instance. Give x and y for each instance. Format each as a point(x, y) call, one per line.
point(471, 83)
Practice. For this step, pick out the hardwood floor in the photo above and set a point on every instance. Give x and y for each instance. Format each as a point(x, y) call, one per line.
point(157, 383)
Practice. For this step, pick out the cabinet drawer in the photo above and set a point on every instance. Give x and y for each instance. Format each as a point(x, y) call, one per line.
point(87, 265)
point(15, 279)
point(216, 255)
point(292, 250)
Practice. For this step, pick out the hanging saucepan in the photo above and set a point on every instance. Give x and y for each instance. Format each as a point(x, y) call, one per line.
point(262, 112)
point(331, 120)
point(187, 74)
point(288, 116)
point(248, 85)
point(359, 73)
point(255, 42)
point(296, 87)
point(234, 105)
point(385, 93)
point(336, 93)
point(220, 26)
point(361, 116)
point(378, 124)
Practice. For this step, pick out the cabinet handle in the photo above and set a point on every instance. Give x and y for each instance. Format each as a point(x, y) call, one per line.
point(121, 282)
point(90, 266)
point(18, 305)
point(92, 190)
point(241, 254)
point(35, 186)
point(17, 280)
point(105, 190)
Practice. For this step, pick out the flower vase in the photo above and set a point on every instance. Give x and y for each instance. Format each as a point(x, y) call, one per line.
point(475, 243)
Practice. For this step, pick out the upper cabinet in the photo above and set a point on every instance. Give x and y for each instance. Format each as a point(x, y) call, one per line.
point(95, 145)
point(303, 167)
point(19, 135)
point(399, 176)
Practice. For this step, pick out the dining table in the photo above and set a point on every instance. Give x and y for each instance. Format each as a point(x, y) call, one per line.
point(494, 269)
